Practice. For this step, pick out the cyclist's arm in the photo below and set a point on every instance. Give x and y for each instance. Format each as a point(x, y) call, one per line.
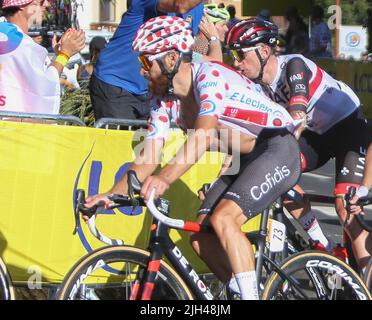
point(298, 77)
point(149, 155)
point(144, 165)
point(205, 125)
point(192, 150)
point(226, 164)
point(179, 6)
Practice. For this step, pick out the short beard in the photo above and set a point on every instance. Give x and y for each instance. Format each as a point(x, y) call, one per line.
point(160, 87)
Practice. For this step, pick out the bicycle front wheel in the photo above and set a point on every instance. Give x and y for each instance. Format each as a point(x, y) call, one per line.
point(115, 272)
point(315, 275)
point(6, 287)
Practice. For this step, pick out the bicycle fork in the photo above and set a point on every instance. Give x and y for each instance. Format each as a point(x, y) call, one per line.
point(145, 282)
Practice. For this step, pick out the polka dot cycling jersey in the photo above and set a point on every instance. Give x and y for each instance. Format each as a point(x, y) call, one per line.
point(221, 92)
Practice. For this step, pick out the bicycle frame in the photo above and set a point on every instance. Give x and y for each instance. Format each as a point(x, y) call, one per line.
point(161, 244)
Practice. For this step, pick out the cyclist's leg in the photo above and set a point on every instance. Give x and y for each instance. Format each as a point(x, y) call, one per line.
point(313, 156)
point(350, 163)
point(207, 245)
point(267, 173)
point(227, 219)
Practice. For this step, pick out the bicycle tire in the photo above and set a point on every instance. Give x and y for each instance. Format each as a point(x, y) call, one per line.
point(6, 287)
point(367, 277)
point(168, 280)
point(349, 282)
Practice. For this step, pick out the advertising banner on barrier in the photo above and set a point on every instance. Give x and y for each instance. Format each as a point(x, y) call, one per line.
point(353, 41)
point(41, 167)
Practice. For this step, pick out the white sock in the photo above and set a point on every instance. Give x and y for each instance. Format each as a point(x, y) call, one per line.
point(233, 286)
point(313, 229)
point(247, 283)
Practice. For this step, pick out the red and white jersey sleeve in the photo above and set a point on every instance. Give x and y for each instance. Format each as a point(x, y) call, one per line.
point(160, 118)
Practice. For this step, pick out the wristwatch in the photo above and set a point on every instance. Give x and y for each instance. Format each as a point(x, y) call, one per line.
point(213, 38)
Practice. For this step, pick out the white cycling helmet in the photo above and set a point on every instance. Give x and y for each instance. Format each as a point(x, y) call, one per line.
point(163, 33)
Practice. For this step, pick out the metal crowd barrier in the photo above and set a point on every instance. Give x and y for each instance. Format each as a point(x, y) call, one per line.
point(114, 123)
point(41, 118)
point(128, 124)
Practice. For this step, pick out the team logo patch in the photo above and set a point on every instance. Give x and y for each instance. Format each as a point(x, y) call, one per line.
point(296, 77)
point(353, 39)
point(152, 130)
point(207, 107)
point(10, 38)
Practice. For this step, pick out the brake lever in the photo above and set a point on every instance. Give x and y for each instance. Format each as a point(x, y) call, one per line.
point(80, 196)
point(351, 193)
point(80, 207)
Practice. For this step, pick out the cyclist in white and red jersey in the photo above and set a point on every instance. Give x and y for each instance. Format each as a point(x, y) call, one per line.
point(217, 103)
point(335, 125)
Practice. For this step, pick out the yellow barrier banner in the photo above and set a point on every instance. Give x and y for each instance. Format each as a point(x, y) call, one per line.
point(41, 167)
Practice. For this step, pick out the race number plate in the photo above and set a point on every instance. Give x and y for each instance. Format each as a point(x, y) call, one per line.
point(276, 235)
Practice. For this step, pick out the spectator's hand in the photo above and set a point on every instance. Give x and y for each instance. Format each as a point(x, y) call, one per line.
point(208, 28)
point(73, 41)
point(221, 29)
point(56, 45)
point(93, 200)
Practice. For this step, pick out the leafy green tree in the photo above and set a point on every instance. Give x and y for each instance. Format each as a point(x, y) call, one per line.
point(353, 11)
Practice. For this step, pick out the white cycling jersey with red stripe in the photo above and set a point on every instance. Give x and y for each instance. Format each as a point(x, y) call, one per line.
point(224, 93)
point(327, 101)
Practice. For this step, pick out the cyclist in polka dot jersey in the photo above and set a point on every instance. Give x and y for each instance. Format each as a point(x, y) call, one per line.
point(213, 103)
point(223, 93)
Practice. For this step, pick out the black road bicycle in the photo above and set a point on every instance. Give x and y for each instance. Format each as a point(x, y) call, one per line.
point(132, 273)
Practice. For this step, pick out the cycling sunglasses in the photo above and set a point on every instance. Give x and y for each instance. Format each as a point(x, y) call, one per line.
point(147, 61)
point(239, 56)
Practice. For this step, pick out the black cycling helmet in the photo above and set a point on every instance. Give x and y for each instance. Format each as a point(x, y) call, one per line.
point(250, 32)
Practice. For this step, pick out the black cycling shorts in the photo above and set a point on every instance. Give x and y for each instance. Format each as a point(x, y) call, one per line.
point(266, 173)
point(347, 142)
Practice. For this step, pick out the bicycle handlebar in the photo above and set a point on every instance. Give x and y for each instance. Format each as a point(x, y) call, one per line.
point(92, 213)
point(361, 202)
point(157, 207)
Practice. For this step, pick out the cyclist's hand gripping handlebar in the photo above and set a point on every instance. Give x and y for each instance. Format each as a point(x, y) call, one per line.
point(363, 201)
point(116, 200)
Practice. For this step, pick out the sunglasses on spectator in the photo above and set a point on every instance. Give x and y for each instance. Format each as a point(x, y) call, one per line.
point(239, 56)
point(147, 61)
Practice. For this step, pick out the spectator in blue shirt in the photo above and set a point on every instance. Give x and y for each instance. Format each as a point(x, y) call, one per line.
point(320, 40)
point(117, 89)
